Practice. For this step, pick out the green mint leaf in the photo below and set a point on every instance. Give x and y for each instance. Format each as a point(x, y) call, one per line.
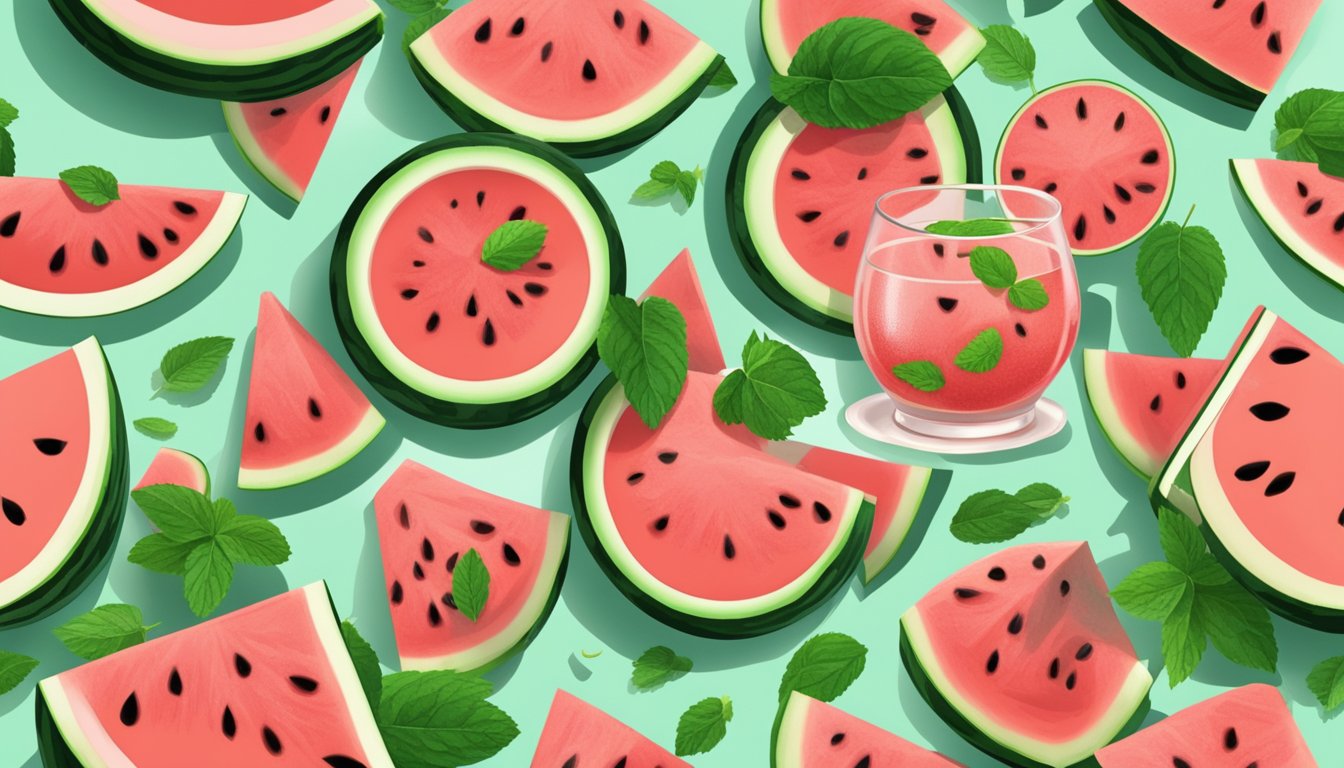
point(981, 353)
point(1181, 540)
point(206, 581)
point(992, 516)
point(920, 374)
point(1183, 640)
point(657, 666)
point(1326, 681)
point(666, 172)
point(103, 631)
point(723, 77)
point(14, 669)
point(858, 73)
point(1028, 295)
point(420, 25)
point(644, 344)
point(366, 663)
point(8, 113)
point(1308, 122)
point(1152, 591)
point(773, 392)
point(686, 184)
point(1332, 162)
point(1287, 139)
point(7, 157)
point(1181, 272)
point(415, 7)
point(1044, 498)
point(1008, 55)
point(441, 720)
point(155, 427)
point(181, 513)
point(823, 667)
point(993, 266)
point(513, 244)
point(970, 228)
point(471, 584)
point(192, 364)
point(161, 554)
point(1208, 572)
point(91, 184)
point(1238, 624)
point(654, 190)
point(703, 725)
point(253, 540)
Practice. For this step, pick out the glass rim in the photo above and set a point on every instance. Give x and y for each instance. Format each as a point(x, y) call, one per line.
point(1036, 222)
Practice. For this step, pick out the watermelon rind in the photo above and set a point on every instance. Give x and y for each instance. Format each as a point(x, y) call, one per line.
point(86, 536)
point(1125, 714)
point(459, 403)
point(1176, 60)
point(63, 744)
point(698, 616)
point(186, 466)
point(790, 728)
point(255, 155)
point(751, 215)
point(242, 63)
point(1248, 180)
point(908, 509)
point(1107, 410)
point(311, 467)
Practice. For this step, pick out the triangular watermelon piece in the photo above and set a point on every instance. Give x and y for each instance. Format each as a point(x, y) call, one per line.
point(578, 735)
point(305, 417)
point(680, 284)
point(284, 138)
point(1302, 207)
point(426, 522)
point(814, 734)
point(173, 467)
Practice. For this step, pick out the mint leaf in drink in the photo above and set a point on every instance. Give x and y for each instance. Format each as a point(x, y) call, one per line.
point(1028, 295)
point(14, 669)
point(441, 720)
point(657, 666)
point(703, 725)
point(1008, 55)
point(513, 244)
point(993, 266)
point(644, 345)
point(155, 427)
point(1152, 591)
point(723, 77)
point(367, 666)
point(981, 353)
point(1326, 682)
point(920, 374)
point(774, 391)
point(1181, 271)
point(420, 25)
point(970, 228)
point(471, 584)
point(192, 364)
point(824, 667)
point(103, 631)
point(91, 184)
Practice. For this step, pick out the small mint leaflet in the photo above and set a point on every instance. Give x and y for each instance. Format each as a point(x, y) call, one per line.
point(992, 516)
point(824, 667)
point(656, 666)
point(703, 725)
point(14, 669)
point(644, 345)
point(103, 631)
point(191, 365)
point(982, 353)
point(970, 228)
point(1008, 55)
point(993, 266)
point(471, 584)
point(155, 427)
point(513, 244)
point(91, 184)
point(8, 113)
point(1326, 682)
point(920, 374)
point(1028, 295)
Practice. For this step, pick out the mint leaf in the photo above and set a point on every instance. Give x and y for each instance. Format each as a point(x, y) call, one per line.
point(1043, 498)
point(993, 266)
point(155, 427)
point(192, 364)
point(662, 181)
point(252, 540)
point(723, 77)
point(367, 667)
point(471, 584)
point(1008, 55)
point(7, 157)
point(920, 374)
point(1208, 572)
point(207, 578)
point(858, 73)
point(161, 554)
point(181, 513)
point(644, 344)
point(657, 666)
point(14, 668)
point(513, 244)
point(992, 516)
point(103, 631)
point(970, 228)
point(1183, 640)
point(1326, 681)
point(420, 25)
point(823, 667)
point(1181, 540)
point(1028, 295)
point(441, 720)
point(1152, 591)
point(1181, 272)
point(8, 113)
point(686, 184)
point(703, 725)
point(773, 391)
point(981, 353)
point(416, 7)
point(91, 184)
point(1308, 122)
point(1238, 624)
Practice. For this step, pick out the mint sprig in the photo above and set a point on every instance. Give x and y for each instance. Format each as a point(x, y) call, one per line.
point(993, 516)
point(104, 630)
point(657, 666)
point(823, 667)
point(191, 365)
point(1326, 681)
point(644, 345)
point(774, 391)
point(471, 584)
point(667, 178)
point(1181, 271)
point(1310, 126)
point(1008, 56)
point(703, 725)
point(513, 244)
point(92, 184)
point(14, 669)
point(920, 374)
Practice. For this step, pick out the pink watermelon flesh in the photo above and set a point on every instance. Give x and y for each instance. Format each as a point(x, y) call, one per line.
point(173, 467)
point(597, 55)
point(578, 735)
point(1101, 152)
point(426, 522)
point(680, 285)
point(1247, 726)
point(933, 21)
point(236, 12)
point(1310, 209)
point(832, 738)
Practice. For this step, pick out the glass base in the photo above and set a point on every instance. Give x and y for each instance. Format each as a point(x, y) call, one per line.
point(965, 430)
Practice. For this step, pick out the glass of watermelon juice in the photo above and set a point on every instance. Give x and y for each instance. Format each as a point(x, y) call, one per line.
point(966, 306)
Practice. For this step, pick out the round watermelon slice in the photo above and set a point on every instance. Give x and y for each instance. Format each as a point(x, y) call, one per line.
point(577, 735)
point(183, 699)
point(1022, 654)
point(67, 258)
point(800, 197)
point(814, 734)
point(63, 480)
point(173, 467)
point(1303, 208)
point(241, 50)
point(591, 77)
point(446, 336)
point(1102, 152)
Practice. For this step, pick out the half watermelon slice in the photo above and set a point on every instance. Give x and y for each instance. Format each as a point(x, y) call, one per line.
point(173, 467)
point(63, 479)
point(1302, 207)
point(814, 734)
point(577, 735)
point(183, 699)
point(67, 258)
point(591, 77)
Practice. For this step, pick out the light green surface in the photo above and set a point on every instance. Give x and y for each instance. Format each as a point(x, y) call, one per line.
point(76, 111)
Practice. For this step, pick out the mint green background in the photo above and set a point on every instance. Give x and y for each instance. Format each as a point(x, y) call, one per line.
point(76, 111)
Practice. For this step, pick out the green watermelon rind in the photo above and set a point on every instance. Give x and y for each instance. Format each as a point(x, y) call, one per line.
point(1280, 228)
point(1176, 60)
point(466, 415)
point(739, 220)
point(922, 498)
point(251, 151)
point(1107, 410)
point(845, 563)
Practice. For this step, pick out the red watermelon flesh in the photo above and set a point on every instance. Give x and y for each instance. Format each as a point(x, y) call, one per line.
point(426, 522)
point(237, 12)
point(814, 734)
point(173, 467)
point(1247, 726)
point(1302, 206)
point(579, 735)
point(679, 284)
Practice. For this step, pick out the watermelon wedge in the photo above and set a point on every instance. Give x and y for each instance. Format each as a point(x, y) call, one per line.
point(67, 258)
point(241, 50)
point(814, 734)
point(591, 77)
point(173, 467)
point(426, 522)
point(305, 417)
point(284, 138)
point(786, 23)
point(1234, 51)
point(1302, 207)
point(182, 699)
point(1022, 654)
point(577, 735)
point(62, 479)
point(680, 284)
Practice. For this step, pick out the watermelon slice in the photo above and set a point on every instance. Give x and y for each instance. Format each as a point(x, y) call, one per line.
point(173, 467)
point(1102, 152)
point(1247, 726)
point(284, 138)
point(591, 77)
point(680, 284)
point(578, 735)
point(1302, 207)
point(1252, 468)
point(426, 521)
point(1234, 51)
point(62, 479)
point(800, 197)
point(182, 699)
point(67, 258)
point(241, 50)
point(1021, 653)
point(446, 336)
point(305, 417)
point(814, 734)
point(786, 23)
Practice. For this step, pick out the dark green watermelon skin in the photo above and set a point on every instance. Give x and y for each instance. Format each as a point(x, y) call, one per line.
point(464, 415)
point(256, 82)
point(50, 743)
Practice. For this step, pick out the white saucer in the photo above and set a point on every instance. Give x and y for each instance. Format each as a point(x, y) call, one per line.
point(872, 418)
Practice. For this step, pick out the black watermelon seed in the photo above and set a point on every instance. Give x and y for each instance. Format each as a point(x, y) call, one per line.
point(175, 683)
point(49, 445)
point(634, 478)
point(147, 248)
point(1145, 188)
point(917, 153)
point(480, 198)
point(409, 293)
point(965, 593)
point(488, 333)
point(1050, 188)
point(863, 174)
point(546, 52)
point(453, 203)
point(922, 32)
point(511, 555)
point(1280, 484)
point(618, 19)
point(481, 527)
point(57, 260)
point(242, 665)
point(1123, 194)
point(427, 549)
point(1071, 680)
point(1080, 228)
point(661, 523)
point(518, 26)
point(1081, 109)
point(130, 711)
point(397, 593)
point(448, 600)
point(314, 409)
point(1108, 214)
point(1230, 740)
point(435, 618)
point(534, 289)
point(279, 112)
point(929, 179)
point(836, 738)
point(1119, 121)
point(946, 304)
point(99, 253)
point(1302, 189)
point(1180, 380)
point(1252, 471)
point(1018, 174)
point(789, 501)
point(1040, 122)
point(170, 235)
point(643, 32)
point(1258, 14)
point(1054, 669)
point(1155, 404)
point(572, 762)
point(1084, 651)
point(729, 551)
point(997, 574)
point(1020, 330)
point(1289, 355)
point(1150, 157)
point(1064, 587)
point(1315, 207)
point(404, 516)
point(667, 457)
point(228, 725)
point(923, 19)
point(471, 305)
point(259, 432)
point(776, 519)
point(1269, 411)
point(1015, 624)
point(1177, 762)
point(842, 239)
point(992, 665)
point(432, 324)
point(800, 174)
point(483, 32)
point(451, 563)
point(425, 235)
point(822, 511)
point(1038, 562)
point(514, 298)
point(10, 225)
point(271, 741)
point(186, 209)
point(1338, 226)
point(938, 249)
point(807, 217)
point(418, 572)
point(341, 761)
point(325, 115)
point(418, 263)
point(589, 71)
point(304, 684)
point(518, 214)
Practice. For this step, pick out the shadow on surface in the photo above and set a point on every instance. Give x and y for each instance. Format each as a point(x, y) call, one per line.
point(371, 614)
point(931, 727)
point(261, 189)
point(394, 97)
